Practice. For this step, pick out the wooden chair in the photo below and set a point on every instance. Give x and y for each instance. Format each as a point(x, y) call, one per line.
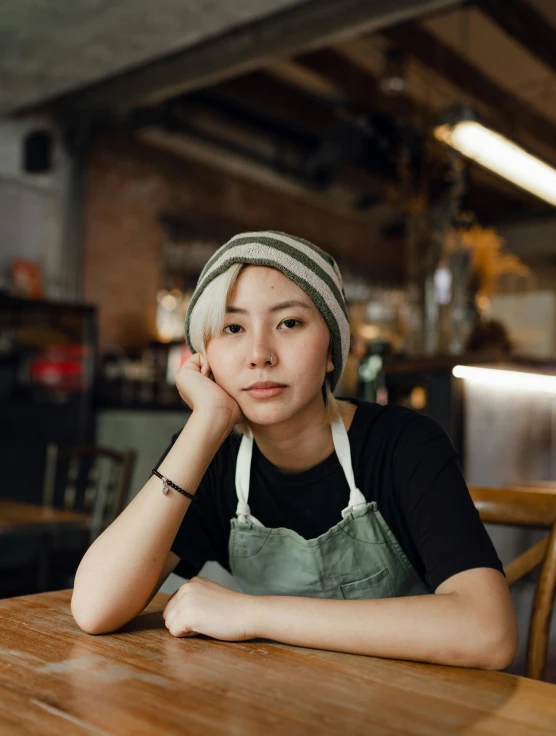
point(74, 480)
point(535, 508)
point(91, 479)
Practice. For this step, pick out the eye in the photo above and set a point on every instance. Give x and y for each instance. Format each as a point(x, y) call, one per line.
point(285, 322)
point(297, 321)
point(231, 333)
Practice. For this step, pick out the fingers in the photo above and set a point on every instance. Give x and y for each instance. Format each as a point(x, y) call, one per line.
point(195, 362)
point(207, 371)
point(167, 607)
point(199, 362)
point(172, 601)
point(174, 612)
point(170, 615)
point(175, 626)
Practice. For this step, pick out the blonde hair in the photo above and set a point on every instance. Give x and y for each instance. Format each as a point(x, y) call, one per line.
point(207, 320)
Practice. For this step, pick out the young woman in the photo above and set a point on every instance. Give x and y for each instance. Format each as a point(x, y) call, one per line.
point(347, 525)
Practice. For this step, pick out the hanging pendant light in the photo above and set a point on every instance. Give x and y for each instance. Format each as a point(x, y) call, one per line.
point(466, 134)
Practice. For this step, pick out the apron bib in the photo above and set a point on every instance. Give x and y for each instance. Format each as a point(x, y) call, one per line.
point(357, 558)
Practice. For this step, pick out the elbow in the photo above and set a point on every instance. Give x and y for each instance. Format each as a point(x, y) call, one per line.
point(87, 620)
point(82, 610)
point(499, 650)
point(87, 623)
point(91, 628)
point(99, 620)
point(502, 657)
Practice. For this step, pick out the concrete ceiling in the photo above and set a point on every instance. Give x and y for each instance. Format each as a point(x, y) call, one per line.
point(50, 48)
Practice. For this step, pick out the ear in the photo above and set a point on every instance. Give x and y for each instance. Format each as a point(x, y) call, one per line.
point(329, 365)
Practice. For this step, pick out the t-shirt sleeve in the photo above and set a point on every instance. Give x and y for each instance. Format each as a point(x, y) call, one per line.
point(199, 537)
point(440, 514)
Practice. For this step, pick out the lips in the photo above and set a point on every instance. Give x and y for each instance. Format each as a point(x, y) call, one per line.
point(266, 393)
point(265, 384)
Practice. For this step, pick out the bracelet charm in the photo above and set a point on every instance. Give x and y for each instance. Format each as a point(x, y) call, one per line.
point(167, 484)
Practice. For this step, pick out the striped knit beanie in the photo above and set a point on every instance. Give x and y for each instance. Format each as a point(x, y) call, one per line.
point(311, 268)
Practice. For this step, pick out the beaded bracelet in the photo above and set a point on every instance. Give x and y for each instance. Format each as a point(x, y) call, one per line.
point(168, 483)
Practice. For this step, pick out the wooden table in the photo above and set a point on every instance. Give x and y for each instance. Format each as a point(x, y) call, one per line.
point(16, 518)
point(55, 679)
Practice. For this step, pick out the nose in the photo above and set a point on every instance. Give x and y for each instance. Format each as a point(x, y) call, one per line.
point(262, 354)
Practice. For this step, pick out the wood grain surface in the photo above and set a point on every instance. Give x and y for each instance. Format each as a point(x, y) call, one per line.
point(16, 517)
point(55, 679)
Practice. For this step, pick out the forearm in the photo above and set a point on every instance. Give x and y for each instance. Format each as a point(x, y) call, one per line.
point(119, 571)
point(440, 629)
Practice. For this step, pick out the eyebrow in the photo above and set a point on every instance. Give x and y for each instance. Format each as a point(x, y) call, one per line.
point(275, 308)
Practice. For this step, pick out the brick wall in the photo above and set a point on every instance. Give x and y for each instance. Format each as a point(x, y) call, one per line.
point(130, 184)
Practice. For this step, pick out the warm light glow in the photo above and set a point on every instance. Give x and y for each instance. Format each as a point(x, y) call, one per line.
point(169, 302)
point(499, 154)
point(506, 379)
point(368, 332)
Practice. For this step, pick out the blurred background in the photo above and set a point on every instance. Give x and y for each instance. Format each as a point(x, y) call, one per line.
point(413, 140)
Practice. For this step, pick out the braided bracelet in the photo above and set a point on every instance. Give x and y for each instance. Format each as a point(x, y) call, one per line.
point(168, 484)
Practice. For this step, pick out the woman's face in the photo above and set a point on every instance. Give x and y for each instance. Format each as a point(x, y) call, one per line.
point(258, 327)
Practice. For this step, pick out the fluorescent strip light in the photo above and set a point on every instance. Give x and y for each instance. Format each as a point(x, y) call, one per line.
point(506, 379)
point(499, 154)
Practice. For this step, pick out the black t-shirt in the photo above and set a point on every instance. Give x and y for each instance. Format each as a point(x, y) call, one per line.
point(401, 459)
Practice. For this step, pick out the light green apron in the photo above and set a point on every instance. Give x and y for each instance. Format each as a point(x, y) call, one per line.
point(357, 558)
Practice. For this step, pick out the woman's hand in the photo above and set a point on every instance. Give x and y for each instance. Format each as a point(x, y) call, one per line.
point(203, 607)
point(200, 391)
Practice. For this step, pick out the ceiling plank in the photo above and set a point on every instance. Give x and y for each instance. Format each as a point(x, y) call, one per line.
point(260, 90)
point(260, 94)
point(511, 114)
point(308, 25)
point(526, 25)
point(273, 104)
point(362, 87)
point(295, 75)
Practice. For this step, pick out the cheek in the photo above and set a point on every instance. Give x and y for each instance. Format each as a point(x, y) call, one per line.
point(225, 363)
point(311, 357)
point(217, 357)
point(217, 352)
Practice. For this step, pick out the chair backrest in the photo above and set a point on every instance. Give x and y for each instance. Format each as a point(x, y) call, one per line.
point(534, 508)
point(91, 479)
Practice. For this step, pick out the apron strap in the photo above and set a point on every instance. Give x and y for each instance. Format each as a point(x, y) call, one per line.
point(341, 445)
point(243, 472)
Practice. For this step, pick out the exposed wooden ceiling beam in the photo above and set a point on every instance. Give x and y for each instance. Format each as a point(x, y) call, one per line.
point(526, 25)
point(258, 92)
point(492, 199)
point(261, 90)
point(268, 98)
point(305, 25)
point(509, 113)
point(302, 78)
point(362, 87)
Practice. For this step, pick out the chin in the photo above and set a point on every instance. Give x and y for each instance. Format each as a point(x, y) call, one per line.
point(266, 414)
